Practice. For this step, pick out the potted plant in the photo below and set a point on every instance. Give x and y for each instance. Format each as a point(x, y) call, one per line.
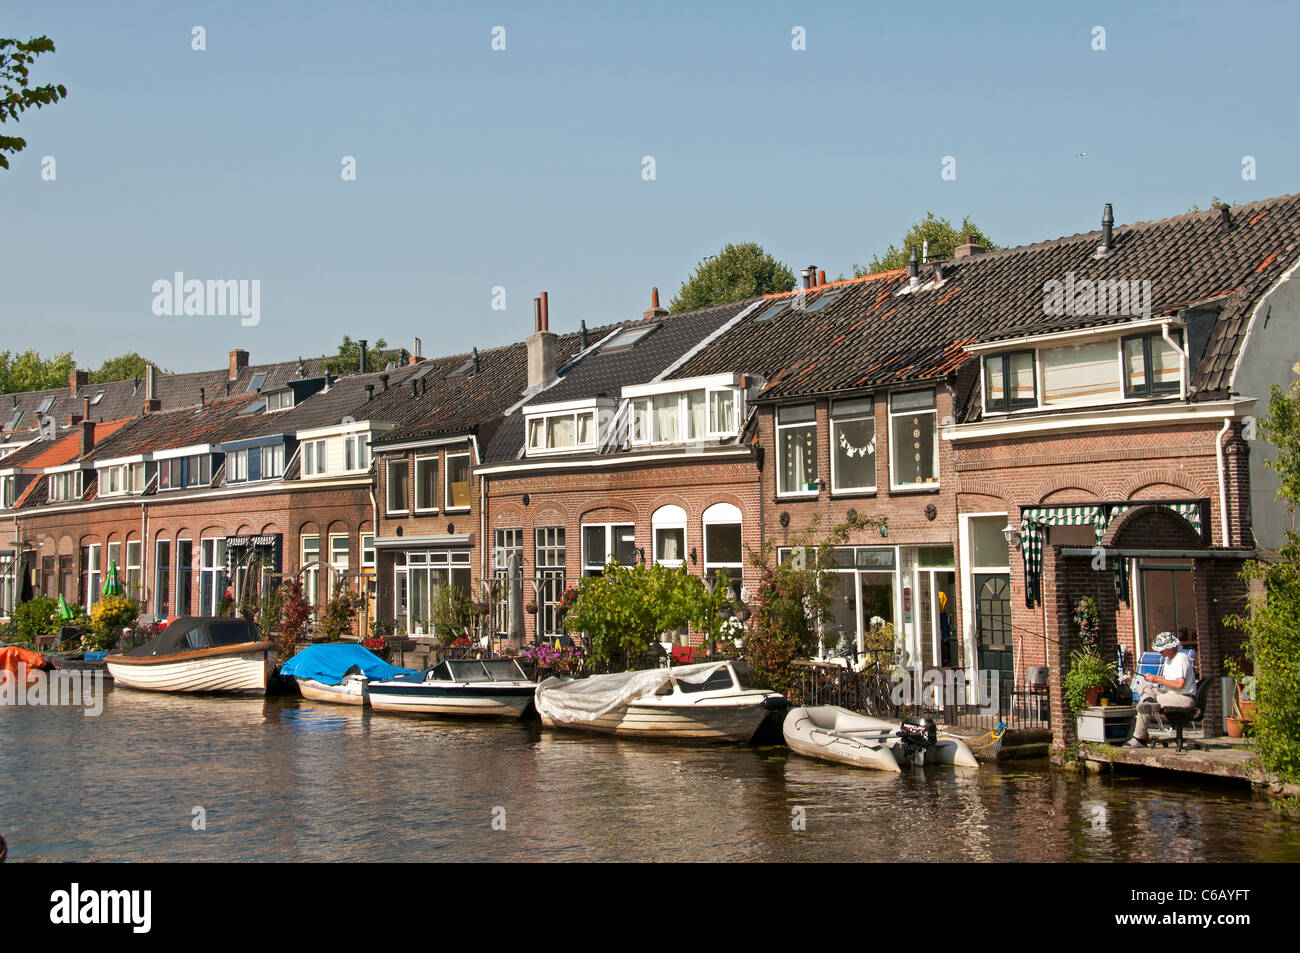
point(1087, 677)
point(530, 608)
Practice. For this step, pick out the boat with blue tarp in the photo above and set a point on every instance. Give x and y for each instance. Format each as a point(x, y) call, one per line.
point(338, 672)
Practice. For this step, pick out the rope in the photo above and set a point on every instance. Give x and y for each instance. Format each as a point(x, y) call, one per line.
point(996, 734)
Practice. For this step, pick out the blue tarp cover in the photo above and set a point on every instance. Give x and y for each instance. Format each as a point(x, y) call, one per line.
point(328, 663)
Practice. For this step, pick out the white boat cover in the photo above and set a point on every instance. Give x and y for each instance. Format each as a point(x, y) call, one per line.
point(586, 699)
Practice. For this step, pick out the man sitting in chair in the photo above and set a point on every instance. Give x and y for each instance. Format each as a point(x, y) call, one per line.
point(1174, 687)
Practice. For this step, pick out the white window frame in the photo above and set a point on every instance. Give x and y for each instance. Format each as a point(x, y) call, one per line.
point(446, 481)
point(310, 576)
point(589, 568)
point(668, 517)
point(388, 485)
point(283, 401)
point(134, 580)
point(314, 457)
point(366, 546)
point(780, 462)
point(336, 565)
point(425, 459)
point(875, 438)
point(722, 514)
point(543, 422)
point(356, 447)
point(893, 459)
point(276, 453)
point(94, 574)
point(237, 466)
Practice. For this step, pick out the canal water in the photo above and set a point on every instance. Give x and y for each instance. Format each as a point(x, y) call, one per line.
point(162, 777)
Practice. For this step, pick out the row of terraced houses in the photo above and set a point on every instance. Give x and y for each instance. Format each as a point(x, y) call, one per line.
point(1023, 427)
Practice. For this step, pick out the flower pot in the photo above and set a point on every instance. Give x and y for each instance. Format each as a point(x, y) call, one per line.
point(1235, 729)
point(1247, 711)
point(1094, 694)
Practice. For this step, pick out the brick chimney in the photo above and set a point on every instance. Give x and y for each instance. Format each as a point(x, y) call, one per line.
point(541, 344)
point(238, 361)
point(968, 248)
point(77, 380)
point(87, 436)
point(655, 311)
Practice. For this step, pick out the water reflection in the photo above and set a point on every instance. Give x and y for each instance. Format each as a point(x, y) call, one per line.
point(290, 779)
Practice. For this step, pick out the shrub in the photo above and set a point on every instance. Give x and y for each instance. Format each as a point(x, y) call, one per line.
point(35, 617)
point(339, 613)
point(295, 611)
point(1086, 670)
point(110, 616)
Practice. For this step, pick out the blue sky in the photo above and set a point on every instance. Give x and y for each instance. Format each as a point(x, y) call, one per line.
point(523, 168)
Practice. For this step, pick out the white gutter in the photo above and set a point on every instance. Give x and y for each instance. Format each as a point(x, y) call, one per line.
point(482, 508)
point(616, 461)
point(1223, 484)
point(1100, 418)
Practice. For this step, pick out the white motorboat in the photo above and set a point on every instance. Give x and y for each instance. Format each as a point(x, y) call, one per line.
point(197, 654)
point(830, 733)
point(485, 687)
point(710, 701)
point(338, 672)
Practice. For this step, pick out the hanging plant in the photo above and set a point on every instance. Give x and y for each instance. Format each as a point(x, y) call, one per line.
point(1088, 619)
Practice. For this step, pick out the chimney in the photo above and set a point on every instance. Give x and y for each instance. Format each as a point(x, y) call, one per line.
point(476, 365)
point(419, 349)
point(1225, 218)
point(383, 379)
point(582, 334)
point(370, 393)
point(238, 361)
point(203, 397)
point(654, 312)
point(541, 345)
point(808, 274)
point(77, 380)
point(913, 272)
point(151, 402)
point(73, 419)
point(87, 436)
point(968, 249)
point(821, 277)
point(362, 344)
point(1107, 224)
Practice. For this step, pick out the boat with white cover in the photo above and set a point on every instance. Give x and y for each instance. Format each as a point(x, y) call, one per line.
point(709, 701)
point(338, 672)
point(488, 687)
point(830, 733)
point(197, 654)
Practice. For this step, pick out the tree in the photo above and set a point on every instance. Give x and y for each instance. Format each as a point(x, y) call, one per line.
point(16, 59)
point(735, 273)
point(1273, 625)
point(348, 359)
point(123, 368)
point(942, 237)
point(29, 371)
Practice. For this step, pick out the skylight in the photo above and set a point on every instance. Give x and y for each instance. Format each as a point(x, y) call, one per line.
point(97, 398)
point(425, 371)
point(253, 408)
point(256, 383)
point(772, 311)
point(13, 421)
point(823, 299)
point(629, 337)
point(45, 405)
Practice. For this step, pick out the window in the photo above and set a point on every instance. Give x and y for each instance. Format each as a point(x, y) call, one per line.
point(1152, 368)
point(120, 480)
point(722, 412)
point(46, 404)
point(272, 461)
point(93, 575)
point(723, 547)
point(628, 337)
point(162, 579)
point(796, 441)
point(426, 484)
point(279, 400)
point(356, 452)
point(8, 491)
point(367, 550)
point(567, 431)
point(311, 568)
point(237, 466)
point(687, 415)
point(180, 472)
point(184, 575)
point(417, 581)
point(398, 499)
point(212, 575)
point(509, 543)
point(8, 584)
point(94, 401)
point(914, 439)
point(338, 560)
point(113, 557)
point(853, 445)
point(256, 383)
point(1080, 373)
point(603, 542)
point(133, 579)
point(65, 486)
point(313, 458)
point(669, 525)
point(1009, 382)
point(457, 481)
point(550, 568)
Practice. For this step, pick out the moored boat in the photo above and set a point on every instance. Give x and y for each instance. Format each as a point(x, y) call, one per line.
point(483, 687)
point(338, 672)
point(830, 733)
point(197, 654)
point(709, 701)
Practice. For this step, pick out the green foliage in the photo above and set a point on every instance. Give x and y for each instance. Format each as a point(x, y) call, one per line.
point(629, 607)
point(793, 602)
point(123, 368)
point(295, 611)
point(348, 359)
point(450, 613)
point(941, 235)
point(735, 273)
point(110, 616)
point(1087, 668)
point(29, 371)
point(1273, 625)
point(35, 617)
point(339, 613)
point(16, 96)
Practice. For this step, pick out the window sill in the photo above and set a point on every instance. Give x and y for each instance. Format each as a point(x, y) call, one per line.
point(801, 495)
point(397, 512)
point(868, 492)
point(914, 490)
point(420, 511)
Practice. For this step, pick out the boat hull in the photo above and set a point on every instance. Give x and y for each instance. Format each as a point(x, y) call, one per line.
point(421, 698)
point(703, 722)
point(828, 733)
point(350, 691)
point(229, 669)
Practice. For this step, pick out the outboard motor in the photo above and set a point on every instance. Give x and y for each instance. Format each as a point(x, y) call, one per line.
point(917, 734)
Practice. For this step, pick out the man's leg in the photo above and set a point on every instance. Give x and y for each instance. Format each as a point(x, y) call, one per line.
point(1147, 708)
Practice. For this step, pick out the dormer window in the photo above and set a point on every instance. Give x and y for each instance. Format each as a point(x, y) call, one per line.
point(1152, 368)
point(8, 491)
point(683, 411)
point(557, 428)
point(65, 486)
point(122, 479)
point(1009, 381)
point(180, 472)
point(279, 400)
point(313, 458)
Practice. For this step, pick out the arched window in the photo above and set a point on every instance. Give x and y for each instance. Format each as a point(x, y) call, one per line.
point(723, 549)
point(669, 525)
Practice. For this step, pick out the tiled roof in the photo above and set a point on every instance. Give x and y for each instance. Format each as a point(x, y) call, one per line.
point(871, 336)
point(65, 448)
point(217, 421)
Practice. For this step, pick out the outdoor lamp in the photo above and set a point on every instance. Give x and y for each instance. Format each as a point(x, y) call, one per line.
point(1012, 534)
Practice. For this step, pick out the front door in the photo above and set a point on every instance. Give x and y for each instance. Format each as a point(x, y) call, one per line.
point(993, 626)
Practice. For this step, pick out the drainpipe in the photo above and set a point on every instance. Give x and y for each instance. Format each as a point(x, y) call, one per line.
point(374, 528)
point(1223, 483)
point(482, 515)
point(144, 545)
